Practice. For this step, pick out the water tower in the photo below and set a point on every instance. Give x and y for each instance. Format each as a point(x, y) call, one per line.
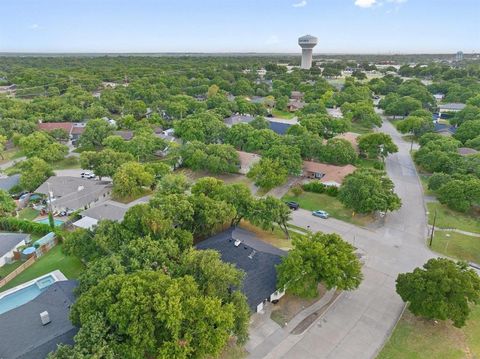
point(307, 43)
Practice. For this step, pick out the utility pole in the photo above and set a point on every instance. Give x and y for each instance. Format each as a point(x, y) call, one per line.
point(411, 144)
point(433, 228)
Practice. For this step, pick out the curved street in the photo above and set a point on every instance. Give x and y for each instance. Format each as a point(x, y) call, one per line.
point(359, 322)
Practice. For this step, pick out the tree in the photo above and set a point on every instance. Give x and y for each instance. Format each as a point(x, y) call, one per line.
point(269, 211)
point(288, 156)
point(460, 195)
point(374, 145)
point(416, 125)
point(319, 258)
point(209, 215)
point(324, 125)
point(368, 190)
point(7, 205)
point(268, 173)
point(395, 105)
point(3, 142)
point(95, 132)
point(361, 112)
point(149, 314)
point(437, 180)
point(338, 151)
point(206, 127)
point(104, 163)
point(41, 145)
point(441, 290)
point(34, 172)
point(468, 131)
point(212, 91)
point(260, 123)
point(131, 179)
point(173, 184)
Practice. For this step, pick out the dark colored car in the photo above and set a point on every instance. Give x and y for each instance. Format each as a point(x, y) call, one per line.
point(292, 205)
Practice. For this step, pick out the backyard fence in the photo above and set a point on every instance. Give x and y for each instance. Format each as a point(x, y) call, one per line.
point(17, 271)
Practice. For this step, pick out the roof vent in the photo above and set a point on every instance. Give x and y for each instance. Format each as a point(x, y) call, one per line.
point(80, 188)
point(237, 242)
point(45, 318)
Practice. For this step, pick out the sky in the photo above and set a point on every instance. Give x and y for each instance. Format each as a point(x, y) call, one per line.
point(342, 26)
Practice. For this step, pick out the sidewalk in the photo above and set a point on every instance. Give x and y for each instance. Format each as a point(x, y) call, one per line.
point(296, 326)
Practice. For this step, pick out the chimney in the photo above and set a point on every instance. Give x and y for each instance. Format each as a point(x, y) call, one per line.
point(45, 318)
point(237, 242)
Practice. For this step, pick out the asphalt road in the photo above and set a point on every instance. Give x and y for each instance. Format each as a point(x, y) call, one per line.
point(359, 322)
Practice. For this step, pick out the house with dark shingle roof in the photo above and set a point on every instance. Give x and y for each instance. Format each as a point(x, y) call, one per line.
point(22, 334)
point(254, 257)
point(9, 242)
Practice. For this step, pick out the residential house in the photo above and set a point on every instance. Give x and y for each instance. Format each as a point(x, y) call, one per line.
point(297, 95)
point(109, 210)
point(444, 129)
point(236, 119)
point(280, 125)
point(127, 135)
point(329, 175)
point(8, 243)
point(247, 160)
point(254, 257)
point(466, 151)
point(73, 193)
point(7, 183)
point(351, 137)
point(450, 107)
point(9, 90)
point(73, 129)
point(23, 332)
point(295, 105)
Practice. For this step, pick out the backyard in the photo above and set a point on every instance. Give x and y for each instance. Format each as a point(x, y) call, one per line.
point(283, 114)
point(315, 201)
point(416, 338)
point(55, 259)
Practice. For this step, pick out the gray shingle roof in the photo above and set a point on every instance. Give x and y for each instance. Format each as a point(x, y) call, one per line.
point(8, 241)
point(235, 119)
point(72, 192)
point(106, 211)
point(8, 182)
point(260, 274)
point(22, 334)
point(452, 106)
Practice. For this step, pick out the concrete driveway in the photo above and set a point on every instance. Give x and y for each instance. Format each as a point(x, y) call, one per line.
point(359, 322)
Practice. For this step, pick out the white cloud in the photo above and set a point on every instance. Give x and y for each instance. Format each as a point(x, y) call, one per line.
point(365, 3)
point(272, 40)
point(34, 27)
point(397, 1)
point(300, 4)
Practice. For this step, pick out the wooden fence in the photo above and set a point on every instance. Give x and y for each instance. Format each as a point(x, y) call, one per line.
point(17, 271)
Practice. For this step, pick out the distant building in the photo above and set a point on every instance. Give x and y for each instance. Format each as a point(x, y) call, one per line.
point(459, 56)
point(450, 107)
point(105, 211)
point(236, 119)
point(9, 90)
point(8, 243)
point(307, 43)
point(466, 151)
point(253, 256)
point(7, 183)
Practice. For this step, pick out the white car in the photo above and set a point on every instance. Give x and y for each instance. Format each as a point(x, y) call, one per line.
point(88, 175)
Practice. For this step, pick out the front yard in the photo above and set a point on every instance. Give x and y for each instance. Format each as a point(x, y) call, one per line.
point(314, 201)
point(416, 338)
point(283, 114)
point(55, 259)
point(457, 245)
point(447, 218)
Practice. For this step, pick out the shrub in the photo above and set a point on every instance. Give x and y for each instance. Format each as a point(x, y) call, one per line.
point(378, 165)
point(314, 186)
point(16, 225)
point(297, 190)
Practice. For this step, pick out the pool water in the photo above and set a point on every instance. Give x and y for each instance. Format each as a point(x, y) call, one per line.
point(57, 222)
point(24, 295)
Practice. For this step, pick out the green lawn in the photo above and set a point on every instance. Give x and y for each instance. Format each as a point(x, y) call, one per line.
point(360, 128)
point(447, 218)
point(283, 114)
point(366, 163)
point(28, 214)
point(8, 268)
point(416, 338)
point(53, 260)
point(313, 201)
point(457, 245)
point(11, 154)
point(67, 163)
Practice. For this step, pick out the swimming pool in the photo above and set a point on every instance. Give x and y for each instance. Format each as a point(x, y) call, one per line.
point(57, 222)
point(25, 294)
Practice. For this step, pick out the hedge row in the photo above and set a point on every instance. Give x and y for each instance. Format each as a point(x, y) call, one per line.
point(319, 187)
point(13, 224)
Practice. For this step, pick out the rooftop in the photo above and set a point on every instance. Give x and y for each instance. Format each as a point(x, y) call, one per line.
point(332, 173)
point(7, 183)
point(50, 126)
point(8, 241)
point(452, 106)
point(107, 210)
point(256, 258)
point(22, 334)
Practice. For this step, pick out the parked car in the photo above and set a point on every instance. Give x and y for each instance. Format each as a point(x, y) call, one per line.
point(88, 175)
point(321, 214)
point(292, 205)
point(19, 195)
